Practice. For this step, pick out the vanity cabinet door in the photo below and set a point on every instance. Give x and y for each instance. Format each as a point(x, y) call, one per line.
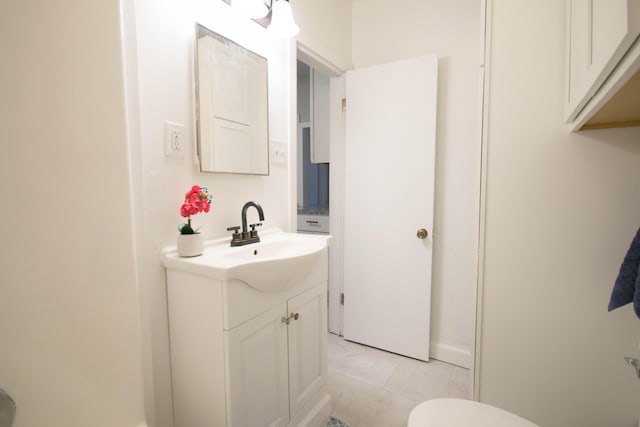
point(307, 346)
point(257, 387)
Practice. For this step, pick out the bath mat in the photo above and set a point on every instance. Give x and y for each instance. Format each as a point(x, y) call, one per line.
point(334, 422)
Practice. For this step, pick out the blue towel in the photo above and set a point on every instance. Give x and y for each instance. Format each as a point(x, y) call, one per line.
point(627, 286)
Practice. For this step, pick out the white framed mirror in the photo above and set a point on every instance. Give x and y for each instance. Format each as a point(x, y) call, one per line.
point(232, 123)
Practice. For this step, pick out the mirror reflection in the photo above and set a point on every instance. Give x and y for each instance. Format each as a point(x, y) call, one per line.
point(231, 106)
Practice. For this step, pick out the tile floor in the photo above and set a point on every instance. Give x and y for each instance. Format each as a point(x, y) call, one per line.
point(373, 388)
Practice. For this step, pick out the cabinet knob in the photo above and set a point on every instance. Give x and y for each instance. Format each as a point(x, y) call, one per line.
point(422, 233)
point(286, 320)
point(295, 316)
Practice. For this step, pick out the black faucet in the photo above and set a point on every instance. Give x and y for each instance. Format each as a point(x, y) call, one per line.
point(247, 237)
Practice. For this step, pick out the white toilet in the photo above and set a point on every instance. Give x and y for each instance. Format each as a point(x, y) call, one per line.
point(462, 413)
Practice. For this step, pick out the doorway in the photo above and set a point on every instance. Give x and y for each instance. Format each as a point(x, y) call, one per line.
point(313, 150)
point(338, 177)
point(319, 165)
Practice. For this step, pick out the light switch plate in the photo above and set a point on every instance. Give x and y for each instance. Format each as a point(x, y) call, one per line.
point(173, 139)
point(279, 152)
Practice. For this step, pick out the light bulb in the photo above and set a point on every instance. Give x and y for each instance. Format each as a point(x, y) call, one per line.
point(282, 22)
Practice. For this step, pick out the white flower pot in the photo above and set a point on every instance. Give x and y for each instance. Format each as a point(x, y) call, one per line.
point(190, 245)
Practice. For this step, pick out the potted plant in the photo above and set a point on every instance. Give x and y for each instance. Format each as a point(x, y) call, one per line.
point(190, 241)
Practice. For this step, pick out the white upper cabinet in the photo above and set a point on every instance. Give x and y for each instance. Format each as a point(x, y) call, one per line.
point(320, 126)
point(602, 56)
point(313, 110)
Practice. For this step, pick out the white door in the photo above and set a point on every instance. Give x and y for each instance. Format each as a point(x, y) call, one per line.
point(390, 130)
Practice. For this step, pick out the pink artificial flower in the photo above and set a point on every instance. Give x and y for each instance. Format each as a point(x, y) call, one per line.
point(196, 200)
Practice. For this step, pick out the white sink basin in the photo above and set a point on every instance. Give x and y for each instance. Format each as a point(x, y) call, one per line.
point(274, 264)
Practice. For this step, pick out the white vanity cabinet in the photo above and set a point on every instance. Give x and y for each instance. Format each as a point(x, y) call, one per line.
point(602, 56)
point(243, 357)
point(264, 388)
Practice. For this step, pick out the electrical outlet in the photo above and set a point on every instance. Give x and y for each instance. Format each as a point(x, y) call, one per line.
point(176, 140)
point(173, 139)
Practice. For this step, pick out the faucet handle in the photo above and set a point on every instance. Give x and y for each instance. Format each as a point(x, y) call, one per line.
point(236, 232)
point(253, 234)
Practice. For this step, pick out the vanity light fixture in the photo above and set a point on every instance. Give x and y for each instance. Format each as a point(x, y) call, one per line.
point(280, 22)
point(254, 9)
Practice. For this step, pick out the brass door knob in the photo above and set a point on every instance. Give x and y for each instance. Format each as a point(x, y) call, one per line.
point(422, 233)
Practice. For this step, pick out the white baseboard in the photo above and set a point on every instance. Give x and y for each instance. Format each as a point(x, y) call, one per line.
point(450, 354)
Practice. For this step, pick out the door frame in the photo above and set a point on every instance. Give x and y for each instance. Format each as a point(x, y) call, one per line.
point(336, 181)
point(310, 57)
point(486, 7)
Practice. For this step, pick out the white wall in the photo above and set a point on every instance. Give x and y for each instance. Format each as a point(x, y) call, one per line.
point(384, 32)
point(561, 210)
point(70, 350)
point(325, 29)
point(165, 46)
